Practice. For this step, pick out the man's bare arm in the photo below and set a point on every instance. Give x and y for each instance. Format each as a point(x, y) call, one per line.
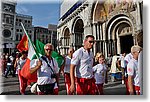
point(72, 77)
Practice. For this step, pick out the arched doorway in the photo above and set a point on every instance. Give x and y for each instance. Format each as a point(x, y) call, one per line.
point(120, 34)
point(126, 42)
point(78, 33)
point(125, 38)
point(66, 40)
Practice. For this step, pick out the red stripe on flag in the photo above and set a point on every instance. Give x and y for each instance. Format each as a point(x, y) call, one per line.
point(23, 44)
point(25, 72)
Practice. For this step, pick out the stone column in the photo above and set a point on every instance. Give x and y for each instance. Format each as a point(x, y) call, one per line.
point(97, 31)
point(114, 47)
point(94, 30)
point(94, 34)
point(105, 48)
point(138, 17)
point(118, 46)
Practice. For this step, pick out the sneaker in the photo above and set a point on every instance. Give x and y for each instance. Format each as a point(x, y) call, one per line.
point(29, 86)
point(122, 81)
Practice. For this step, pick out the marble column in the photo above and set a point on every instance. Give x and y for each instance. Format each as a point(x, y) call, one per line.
point(94, 34)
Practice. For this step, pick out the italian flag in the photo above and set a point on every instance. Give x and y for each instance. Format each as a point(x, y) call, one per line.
point(34, 53)
point(27, 44)
point(40, 50)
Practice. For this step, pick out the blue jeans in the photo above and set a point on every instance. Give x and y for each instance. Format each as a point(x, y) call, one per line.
point(8, 70)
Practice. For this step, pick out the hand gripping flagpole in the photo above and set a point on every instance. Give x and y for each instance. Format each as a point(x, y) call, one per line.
point(37, 55)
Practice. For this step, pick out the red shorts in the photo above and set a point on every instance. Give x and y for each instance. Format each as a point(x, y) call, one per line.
point(99, 89)
point(85, 86)
point(67, 82)
point(136, 89)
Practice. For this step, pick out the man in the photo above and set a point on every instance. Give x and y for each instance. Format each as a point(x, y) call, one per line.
point(127, 59)
point(133, 71)
point(18, 65)
point(65, 69)
point(47, 71)
point(81, 72)
point(122, 66)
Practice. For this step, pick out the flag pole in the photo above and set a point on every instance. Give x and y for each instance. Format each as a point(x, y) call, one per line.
point(37, 55)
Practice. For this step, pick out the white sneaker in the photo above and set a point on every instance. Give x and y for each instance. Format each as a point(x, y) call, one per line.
point(122, 81)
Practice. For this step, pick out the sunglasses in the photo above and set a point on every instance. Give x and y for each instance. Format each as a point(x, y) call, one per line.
point(92, 42)
point(48, 49)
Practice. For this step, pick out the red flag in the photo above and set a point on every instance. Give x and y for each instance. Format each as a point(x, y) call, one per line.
point(25, 72)
point(23, 44)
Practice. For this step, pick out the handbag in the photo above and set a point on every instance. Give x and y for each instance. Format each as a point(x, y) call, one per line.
point(47, 88)
point(34, 88)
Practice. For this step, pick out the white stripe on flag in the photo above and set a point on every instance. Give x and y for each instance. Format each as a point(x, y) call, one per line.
point(31, 51)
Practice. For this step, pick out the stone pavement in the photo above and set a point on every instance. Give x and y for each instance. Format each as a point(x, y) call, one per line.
point(11, 87)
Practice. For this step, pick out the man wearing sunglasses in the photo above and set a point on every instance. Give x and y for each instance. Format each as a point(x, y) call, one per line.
point(47, 71)
point(81, 74)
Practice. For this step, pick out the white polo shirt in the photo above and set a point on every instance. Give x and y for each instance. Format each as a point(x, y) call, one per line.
point(100, 73)
point(44, 73)
point(128, 57)
point(67, 64)
point(84, 63)
point(132, 70)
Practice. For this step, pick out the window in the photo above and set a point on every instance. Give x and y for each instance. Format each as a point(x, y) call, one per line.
point(17, 30)
point(17, 37)
point(28, 21)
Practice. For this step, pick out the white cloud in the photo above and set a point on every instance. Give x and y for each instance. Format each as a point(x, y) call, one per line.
point(21, 10)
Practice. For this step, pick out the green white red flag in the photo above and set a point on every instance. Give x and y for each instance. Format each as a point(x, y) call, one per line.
point(25, 71)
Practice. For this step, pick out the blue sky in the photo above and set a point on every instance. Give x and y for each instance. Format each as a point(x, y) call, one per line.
point(43, 13)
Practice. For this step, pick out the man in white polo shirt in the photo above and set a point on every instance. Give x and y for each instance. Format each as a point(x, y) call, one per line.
point(47, 71)
point(133, 71)
point(81, 73)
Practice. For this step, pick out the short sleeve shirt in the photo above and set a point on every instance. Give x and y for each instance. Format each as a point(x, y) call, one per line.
point(84, 63)
point(99, 73)
point(67, 64)
point(132, 70)
point(44, 73)
point(128, 57)
point(122, 61)
point(20, 63)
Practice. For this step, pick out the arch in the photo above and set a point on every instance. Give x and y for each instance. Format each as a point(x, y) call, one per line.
point(115, 31)
point(64, 30)
point(65, 39)
point(99, 12)
point(119, 27)
point(74, 23)
point(78, 30)
point(114, 20)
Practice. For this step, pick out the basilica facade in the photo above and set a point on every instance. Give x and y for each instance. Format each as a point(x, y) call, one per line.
point(115, 24)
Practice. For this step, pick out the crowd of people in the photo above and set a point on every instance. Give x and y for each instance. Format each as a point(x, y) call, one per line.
point(84, 73)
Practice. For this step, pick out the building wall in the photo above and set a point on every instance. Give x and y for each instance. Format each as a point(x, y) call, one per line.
point(8, 25)
point(46, 35)
point(27, 22)
point(112, 23)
